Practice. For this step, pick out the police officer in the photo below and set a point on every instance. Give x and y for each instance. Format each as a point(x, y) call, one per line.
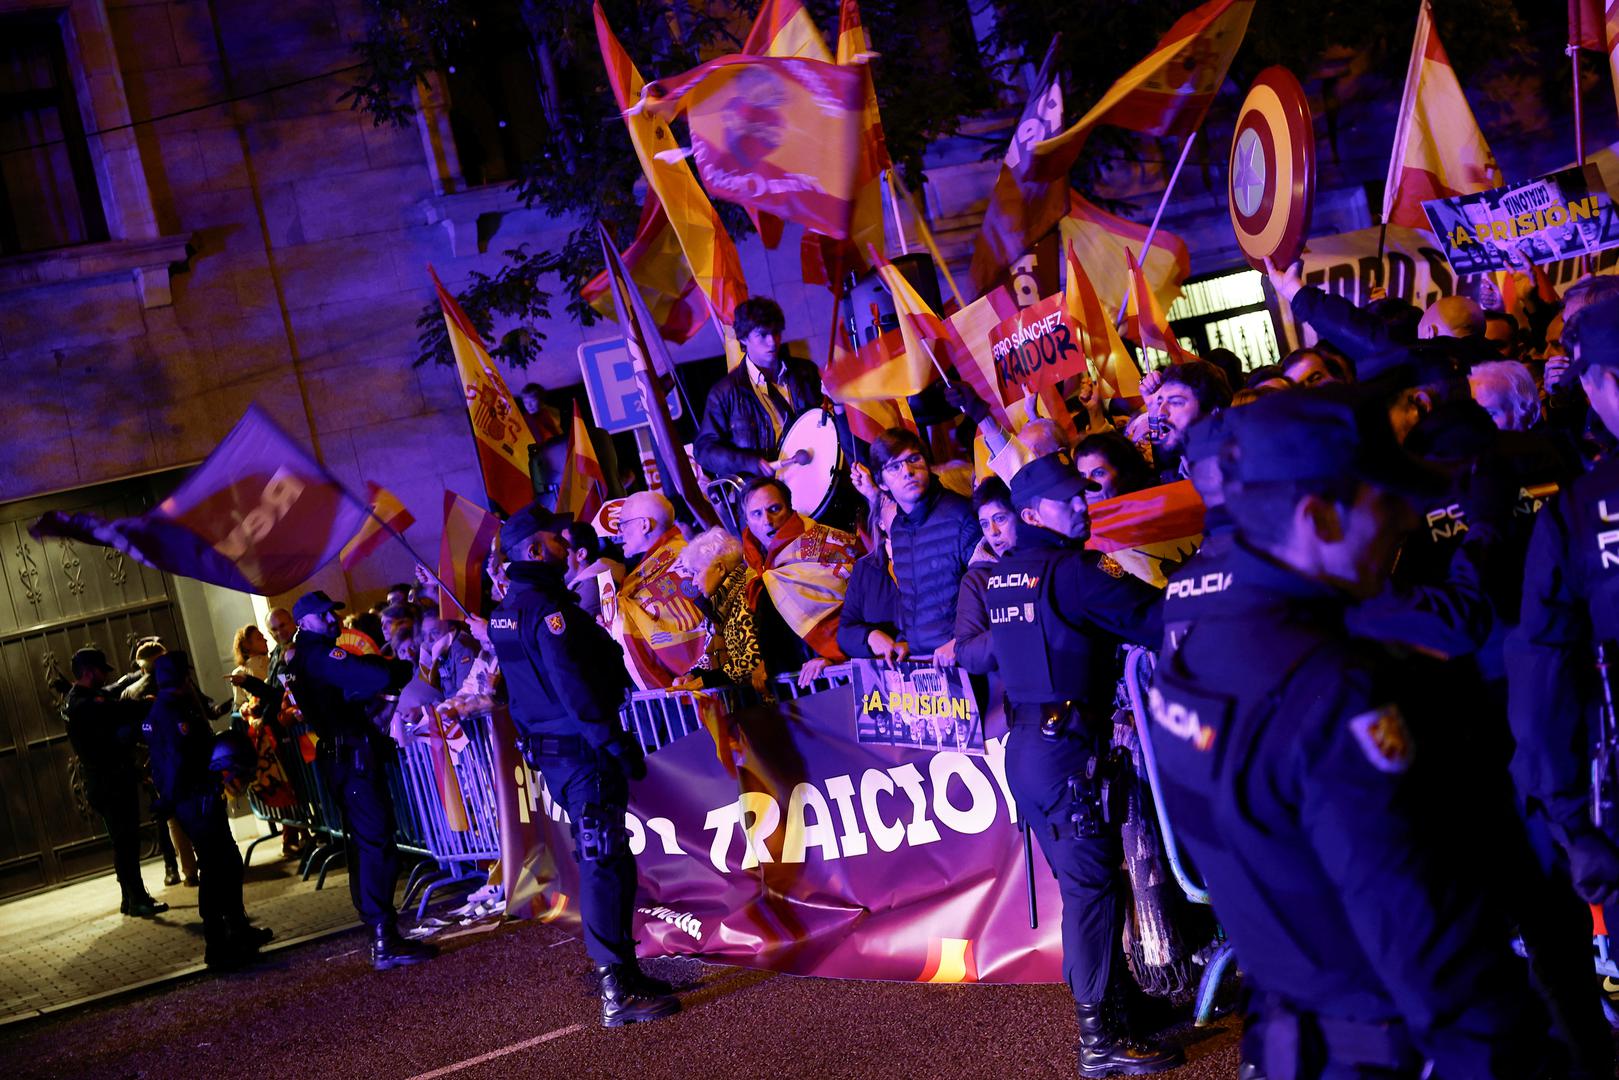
point(1057, 614)
point(336, 690)
point(1296, 785)
point(566, 681)
point(181, 741)
point(101, 728)
point(1570, 608)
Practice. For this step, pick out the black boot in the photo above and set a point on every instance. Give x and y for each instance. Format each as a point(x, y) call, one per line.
point(142, 907)
point(624, 1000)
point(224, 951)
point(171, 873)
point(252, 937)
point(1106, 1049)
point(631, 977)
point(389, 950)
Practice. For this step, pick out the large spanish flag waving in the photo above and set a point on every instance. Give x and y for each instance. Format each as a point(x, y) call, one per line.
point(782, 28)
point(1439, 150)
point(469, 533)
point(1144, 320)
point(498, 426)
point(387, 516)
point(886, 367)
point(708, 247)
point(658, 268)
point(1110, 361)
point(1168, 92)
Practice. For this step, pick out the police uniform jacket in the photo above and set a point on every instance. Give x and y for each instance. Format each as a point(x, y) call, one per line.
point(565, 676)
point(181, 742)
point(1295, 785)
point(1057, 613)
point(1570, 603)
point(335, 689)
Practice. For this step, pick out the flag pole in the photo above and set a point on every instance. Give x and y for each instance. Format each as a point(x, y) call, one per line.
point(893, 210)
point(444, 589)
point(1573, 51)
point(1152, 230)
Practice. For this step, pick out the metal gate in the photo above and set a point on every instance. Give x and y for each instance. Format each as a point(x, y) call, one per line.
point(55, 598)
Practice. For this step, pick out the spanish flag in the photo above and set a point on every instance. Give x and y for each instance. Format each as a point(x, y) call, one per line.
point(498, 425)
point(707, 246)
point(1145, 530)
point(780, 135)
point(388, 515)
point(584, 487)
point(469, 533)
point(1115, 370)
point(782, 28)
point(1144, 320)
point(854, 47)
point(658, 268)
point(1168, 92)
point(892, 368)
point(969, 348)
point(1099, 239)
point(1439, 151)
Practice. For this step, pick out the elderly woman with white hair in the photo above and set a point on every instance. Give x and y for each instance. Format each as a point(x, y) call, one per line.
point(1506, 390)
point(712, 562)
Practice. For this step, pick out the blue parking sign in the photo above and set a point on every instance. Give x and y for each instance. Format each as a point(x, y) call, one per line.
point(610, 385)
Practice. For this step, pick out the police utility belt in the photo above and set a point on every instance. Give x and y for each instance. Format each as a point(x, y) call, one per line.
point(1292, 1039)
point(552, 746)
point(1060, 717)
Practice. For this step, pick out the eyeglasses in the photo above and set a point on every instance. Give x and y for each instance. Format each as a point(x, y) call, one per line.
point(909, 461)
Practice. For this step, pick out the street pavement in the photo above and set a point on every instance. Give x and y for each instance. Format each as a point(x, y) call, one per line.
point(508, 999)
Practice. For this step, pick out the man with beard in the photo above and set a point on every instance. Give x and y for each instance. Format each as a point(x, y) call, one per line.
point(1178, 397)
point(1057, 616)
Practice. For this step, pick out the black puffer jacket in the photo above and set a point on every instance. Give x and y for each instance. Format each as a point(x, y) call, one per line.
point(932, 546)
point(736, 430)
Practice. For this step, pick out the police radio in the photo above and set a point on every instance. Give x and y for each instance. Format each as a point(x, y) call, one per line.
point(1605, 765)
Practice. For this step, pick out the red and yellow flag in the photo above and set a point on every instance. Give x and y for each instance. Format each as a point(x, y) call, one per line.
point(444, 778)
point(887, 368)
point(1110, 361)
point(779, 135)
point(1147, 529)
point(469, 533)
point(806, 571)
point(1100, 240)
point(707, 246)
point(498, 425)
point(584, 486)
point(387, 512)
point(782, 28)
point(970, 352)
point(854, 47)
point(1168, 92)
point(1144, 320)
point(660, 273)
point(1439, 150)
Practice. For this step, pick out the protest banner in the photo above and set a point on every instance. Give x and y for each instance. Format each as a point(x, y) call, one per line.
point(922, 707)
point(820, 856)
point(1564, 215)
point(1035, 348)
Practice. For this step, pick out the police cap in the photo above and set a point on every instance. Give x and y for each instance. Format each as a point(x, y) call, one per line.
point(531, 519)
point(1322, 433)
point(1049, 477)
point(89, 660)
point(313, 603)
point(1598, 335)
point(1206, 437)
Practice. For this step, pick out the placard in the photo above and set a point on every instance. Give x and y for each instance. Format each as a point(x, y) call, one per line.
point(1035, 348)
point(1554, 217)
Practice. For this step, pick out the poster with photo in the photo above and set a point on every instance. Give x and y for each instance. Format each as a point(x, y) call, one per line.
point(914, 706)
point(1554, 217)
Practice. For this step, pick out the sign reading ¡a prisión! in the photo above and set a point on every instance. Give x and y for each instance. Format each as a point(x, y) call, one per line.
point(1035, 348)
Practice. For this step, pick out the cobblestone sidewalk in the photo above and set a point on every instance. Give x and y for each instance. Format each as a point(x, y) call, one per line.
point(71, 945)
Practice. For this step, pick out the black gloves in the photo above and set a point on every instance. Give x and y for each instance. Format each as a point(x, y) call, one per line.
point(626, 750)
point(1593, 863)
point(958, 395)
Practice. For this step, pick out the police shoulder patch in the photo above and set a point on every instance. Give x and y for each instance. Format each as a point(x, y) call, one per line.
point(1384, 739)
point(337, 654)
point(1110, 566)
point(555, 623)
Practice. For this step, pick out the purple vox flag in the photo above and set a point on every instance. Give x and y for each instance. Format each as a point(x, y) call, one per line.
point(260, 515)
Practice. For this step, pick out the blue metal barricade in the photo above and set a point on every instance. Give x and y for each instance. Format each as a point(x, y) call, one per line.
point(658, 717)
point(1138, 667)
point(423, 818)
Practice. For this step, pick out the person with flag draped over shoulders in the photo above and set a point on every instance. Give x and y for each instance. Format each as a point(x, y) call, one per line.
point(565, 679)
point(752, 405)
point(1057, 614)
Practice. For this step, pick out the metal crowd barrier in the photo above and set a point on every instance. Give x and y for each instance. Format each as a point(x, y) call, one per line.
point(454, 854)
point(1138, 667)
point(658, 717)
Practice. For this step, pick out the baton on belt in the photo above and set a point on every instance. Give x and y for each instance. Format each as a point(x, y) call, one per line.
point(1607, 748)
point(1028, 876)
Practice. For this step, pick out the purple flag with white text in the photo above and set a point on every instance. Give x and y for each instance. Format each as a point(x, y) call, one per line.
point(260, 515)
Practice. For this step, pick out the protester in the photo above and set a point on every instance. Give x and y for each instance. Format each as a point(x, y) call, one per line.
point(656, 623)
point(713, 563)
point(869, 624)
point(252, 655)
point(1177, 397)
point(587, 562)
point(997, 518)
point(1507, 391)
point(1110, 463)
point(932, 539)
point(749, 408)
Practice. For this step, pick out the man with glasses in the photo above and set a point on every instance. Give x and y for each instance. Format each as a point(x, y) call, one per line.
point(656, 623)
point(932, 539)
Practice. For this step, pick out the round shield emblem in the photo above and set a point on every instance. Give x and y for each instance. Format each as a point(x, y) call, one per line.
point(1271, 181)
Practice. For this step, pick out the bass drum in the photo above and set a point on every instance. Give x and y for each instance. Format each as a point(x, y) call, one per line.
point(820, 485)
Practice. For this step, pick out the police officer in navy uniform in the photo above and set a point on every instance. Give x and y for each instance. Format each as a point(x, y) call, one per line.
point(1057, 615)
point(1315, 813)
point(336, 691)
point(182, 745)
point(1570, 608)
point(566, 679)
